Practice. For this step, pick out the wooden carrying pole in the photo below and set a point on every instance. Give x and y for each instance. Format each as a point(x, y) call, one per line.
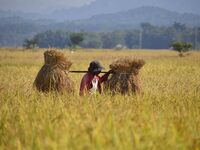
point(87, 72)
point(84, 72)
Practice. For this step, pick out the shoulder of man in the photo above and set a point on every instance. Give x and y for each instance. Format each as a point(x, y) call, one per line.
point(87, 77)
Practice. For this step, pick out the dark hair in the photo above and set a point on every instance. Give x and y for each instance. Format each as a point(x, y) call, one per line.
point(95, 67)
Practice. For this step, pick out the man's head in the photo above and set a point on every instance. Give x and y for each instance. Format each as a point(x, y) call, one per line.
point(95, 67)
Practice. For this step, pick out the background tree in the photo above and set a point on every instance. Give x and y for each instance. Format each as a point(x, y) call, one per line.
point(92, 40)
point(132, 39)
point(76, 39)
point(57, 39)
point(181, 47)
point(152, 37)
point(29, 44)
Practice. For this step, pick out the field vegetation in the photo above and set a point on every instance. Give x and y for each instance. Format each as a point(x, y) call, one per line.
point(166, 115)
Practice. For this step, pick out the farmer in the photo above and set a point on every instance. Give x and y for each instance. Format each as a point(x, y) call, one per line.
point(91, 81)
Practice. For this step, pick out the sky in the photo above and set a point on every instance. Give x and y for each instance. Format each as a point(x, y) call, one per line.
point(50, 5)
point(39, 5)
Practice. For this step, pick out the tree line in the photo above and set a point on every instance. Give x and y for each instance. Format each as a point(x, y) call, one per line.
point(147, 36)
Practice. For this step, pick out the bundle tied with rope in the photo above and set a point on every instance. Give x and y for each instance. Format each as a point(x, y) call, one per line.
point(52, 76)
point(125, 80)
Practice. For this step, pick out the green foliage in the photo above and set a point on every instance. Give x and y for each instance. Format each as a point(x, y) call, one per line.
point(132, 39)
point(181, 47)
point(59, 39)
point(76, 39)
point(92, 40)
point(151, 37)
point(30, 43)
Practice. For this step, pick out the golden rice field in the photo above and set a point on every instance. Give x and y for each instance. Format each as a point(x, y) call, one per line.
point(166, 115)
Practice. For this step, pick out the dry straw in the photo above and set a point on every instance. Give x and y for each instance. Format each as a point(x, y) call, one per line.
point(52, 76)
point(125, 80)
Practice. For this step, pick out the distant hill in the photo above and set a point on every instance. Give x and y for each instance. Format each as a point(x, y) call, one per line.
point(97, 7)
point(13, 30)
point(112, 6)
point(104, 22)
point(5, 14)
point(131, 19)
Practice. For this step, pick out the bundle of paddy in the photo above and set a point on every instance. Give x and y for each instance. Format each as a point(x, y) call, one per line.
point(53, 74)
point(125, 80)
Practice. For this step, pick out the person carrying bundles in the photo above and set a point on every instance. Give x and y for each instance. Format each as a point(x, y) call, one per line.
point(91, 81)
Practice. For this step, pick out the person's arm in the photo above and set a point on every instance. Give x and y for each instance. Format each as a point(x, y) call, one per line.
point(83, 86)
point(105, 76)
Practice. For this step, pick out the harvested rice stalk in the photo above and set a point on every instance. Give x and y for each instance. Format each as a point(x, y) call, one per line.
point(126, 78)
point(53, 76)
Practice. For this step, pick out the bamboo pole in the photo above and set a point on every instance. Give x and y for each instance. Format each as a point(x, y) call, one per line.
point(100, 72)
point(85, 71)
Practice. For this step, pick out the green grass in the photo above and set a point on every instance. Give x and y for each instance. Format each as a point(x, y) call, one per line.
point(166, 115)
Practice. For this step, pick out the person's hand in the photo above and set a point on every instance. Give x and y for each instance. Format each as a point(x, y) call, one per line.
point(111, 71)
